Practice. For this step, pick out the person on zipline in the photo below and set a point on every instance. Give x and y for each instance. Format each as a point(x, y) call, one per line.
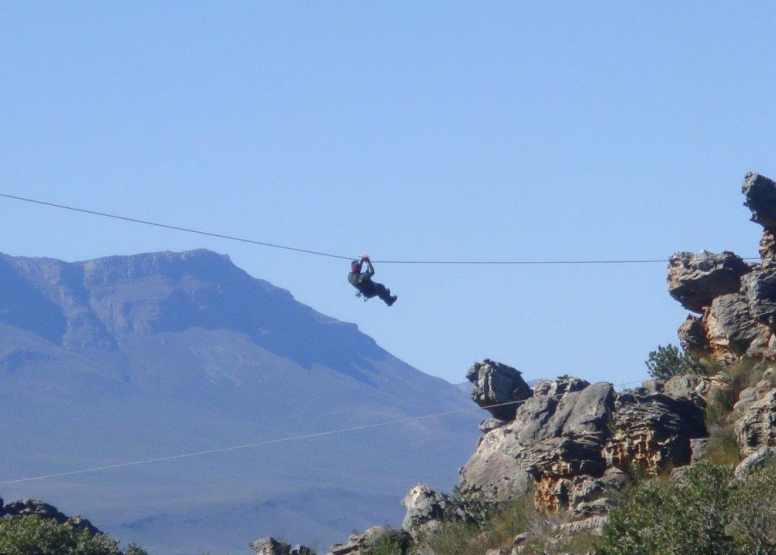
point(363, 282)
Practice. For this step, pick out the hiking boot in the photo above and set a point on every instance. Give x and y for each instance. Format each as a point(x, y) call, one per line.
point(392, 300)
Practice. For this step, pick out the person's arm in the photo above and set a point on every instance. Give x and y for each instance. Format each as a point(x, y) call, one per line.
point(370, 270)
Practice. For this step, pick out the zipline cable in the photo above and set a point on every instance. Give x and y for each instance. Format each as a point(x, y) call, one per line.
point(270, 442)
point(173, 227)
point(330, 255)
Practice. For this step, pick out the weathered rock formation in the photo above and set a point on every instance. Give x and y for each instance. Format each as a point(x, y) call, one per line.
point(575, 445)
point(427, 509)
point(653, 433)
point(497, 388)
point(757, 427)
point(760, 195)
point(734, 301)
point(271, 546)
point(695, 280)
point(569, 434)
point(392, 541)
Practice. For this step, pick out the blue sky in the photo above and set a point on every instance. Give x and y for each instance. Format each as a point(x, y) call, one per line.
point(411, 131)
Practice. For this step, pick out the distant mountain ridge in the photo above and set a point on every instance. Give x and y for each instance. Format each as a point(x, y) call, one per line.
point(131, 358)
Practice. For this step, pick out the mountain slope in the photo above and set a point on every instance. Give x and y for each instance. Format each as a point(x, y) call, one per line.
point(154, 356)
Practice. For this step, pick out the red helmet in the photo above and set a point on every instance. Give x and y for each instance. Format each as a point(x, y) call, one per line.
point(355, 266)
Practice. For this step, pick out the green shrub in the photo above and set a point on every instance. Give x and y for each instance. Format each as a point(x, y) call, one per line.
point(708, 514)
point(723, 445)
point(669, 361)
point(391, 543)
point(34, 535)
point(497, 528)
point(753, 512)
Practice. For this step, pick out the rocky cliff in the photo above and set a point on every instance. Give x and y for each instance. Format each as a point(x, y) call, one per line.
point(572, 445)
point(732, 301)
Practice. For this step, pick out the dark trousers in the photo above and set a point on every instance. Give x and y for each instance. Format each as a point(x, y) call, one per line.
point(375, 290)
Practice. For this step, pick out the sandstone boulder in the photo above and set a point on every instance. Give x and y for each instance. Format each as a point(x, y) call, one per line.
point(695, 280)
point(497, 388)
point(692, 336)
point(756, 392)
point(393, 541)
point(427, 509)
point(760, 193)
point(754, 461)
point(756, 428)
point(493, 472)
point(731, 325)
point(270, 546)
point(686, 386)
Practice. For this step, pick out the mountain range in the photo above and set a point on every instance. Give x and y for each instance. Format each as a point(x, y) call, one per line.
point(189, 407)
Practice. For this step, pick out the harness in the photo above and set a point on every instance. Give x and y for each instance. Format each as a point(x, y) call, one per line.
point(361, 286)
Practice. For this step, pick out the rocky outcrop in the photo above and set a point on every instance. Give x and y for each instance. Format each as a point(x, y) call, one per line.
point(735, 300)
point(392, 540)
point(695, 280)
point(576, 445)
point(493, 472)
point(427, 509)
point(754, 461)
point(760, 290)
point(760, 193)
point(756, 428)
point(498, 388)
point(271, 546)
point(570, 432)
point(653, 433)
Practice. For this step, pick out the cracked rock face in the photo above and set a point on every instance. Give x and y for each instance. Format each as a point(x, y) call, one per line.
point(756, 429)
point(653, 432)
point(760, 290)
point(731, 326)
